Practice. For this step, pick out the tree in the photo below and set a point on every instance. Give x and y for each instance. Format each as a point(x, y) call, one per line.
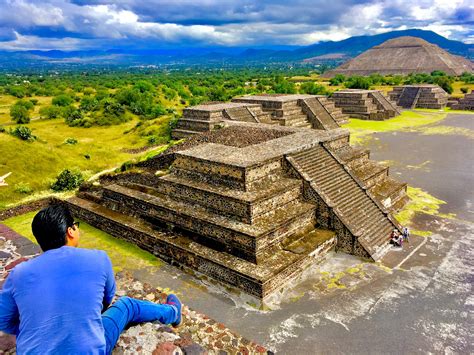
point(358, 82)
point(62, 100)
point(444, 83)
point(310, 87)
point(19, 114)
point(50, 112)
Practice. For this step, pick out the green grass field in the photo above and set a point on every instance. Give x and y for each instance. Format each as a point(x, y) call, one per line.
point(123, 254)
point(36, 164)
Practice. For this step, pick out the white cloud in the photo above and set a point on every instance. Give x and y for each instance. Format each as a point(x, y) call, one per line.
point(38, 43)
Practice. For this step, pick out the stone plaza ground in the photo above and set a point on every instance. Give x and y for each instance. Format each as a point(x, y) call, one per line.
point(421, 301)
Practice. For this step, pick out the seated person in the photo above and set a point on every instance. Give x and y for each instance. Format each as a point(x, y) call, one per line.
point(396, 238)
point(59, 301)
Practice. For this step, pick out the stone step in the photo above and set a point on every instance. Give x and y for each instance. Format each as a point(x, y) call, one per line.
point(247, 241)
point(278, 267)
point(195, 125)
point(370, 173)
point(355, 207)
point(241, 205)
point(182, 133)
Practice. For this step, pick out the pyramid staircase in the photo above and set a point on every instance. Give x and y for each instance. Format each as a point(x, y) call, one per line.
point(409, 97)
point(419, 96)
point(364, 104)
point(248, 227)
point(363, 218)
point(318, 114)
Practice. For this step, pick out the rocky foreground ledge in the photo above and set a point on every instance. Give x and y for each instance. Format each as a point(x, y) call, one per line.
point(198, 333)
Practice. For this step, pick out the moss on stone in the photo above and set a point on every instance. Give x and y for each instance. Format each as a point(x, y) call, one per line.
point(123, 255)
point(406, 121)
point(421, 202)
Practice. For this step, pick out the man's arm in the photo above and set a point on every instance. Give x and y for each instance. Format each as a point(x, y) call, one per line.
point(9, 316)
point(109, 291)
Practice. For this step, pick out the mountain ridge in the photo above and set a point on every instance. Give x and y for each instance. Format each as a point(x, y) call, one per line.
point(319, 53)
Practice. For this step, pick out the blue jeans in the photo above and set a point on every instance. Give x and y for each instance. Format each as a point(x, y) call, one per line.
point(129, 310)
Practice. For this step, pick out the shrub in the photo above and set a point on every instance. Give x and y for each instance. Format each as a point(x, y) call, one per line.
point(337, 80)
point(67, 180)
point(24, 133)
point(2, 129)
point(445, 83)
point(23, 188)
point(20, 111)
point(312, 88)
point(62, 100)
point(34, 101)
point(19, 114)
point(358, 82)
point(464, 90)
point(70, 141)
point(50, 112)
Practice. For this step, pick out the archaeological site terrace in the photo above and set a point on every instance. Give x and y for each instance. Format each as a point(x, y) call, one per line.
point(260, 189)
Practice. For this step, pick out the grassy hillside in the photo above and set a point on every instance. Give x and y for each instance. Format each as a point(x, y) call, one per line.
point(34, 165)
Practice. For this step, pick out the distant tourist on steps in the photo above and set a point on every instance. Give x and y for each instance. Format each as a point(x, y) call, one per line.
point(59, 301)
point(396, 239)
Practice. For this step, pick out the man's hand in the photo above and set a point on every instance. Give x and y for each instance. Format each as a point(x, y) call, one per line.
point(2, 179)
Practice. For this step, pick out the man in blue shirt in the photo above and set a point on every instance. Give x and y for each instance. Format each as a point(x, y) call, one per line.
point(59, 301)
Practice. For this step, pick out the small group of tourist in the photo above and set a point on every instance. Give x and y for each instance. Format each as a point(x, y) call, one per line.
point(397, 239)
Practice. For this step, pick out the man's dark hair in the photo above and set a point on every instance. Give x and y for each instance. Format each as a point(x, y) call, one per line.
point(50, 226)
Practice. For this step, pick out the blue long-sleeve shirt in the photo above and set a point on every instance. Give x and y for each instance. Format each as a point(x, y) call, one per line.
point(53, 303)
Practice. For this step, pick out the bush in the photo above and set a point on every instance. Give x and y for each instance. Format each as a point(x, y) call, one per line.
point(62, 100)
point(67, 180)
point(70, 141)
point(34, 101)
point(23, 188)
point(20, 111)
point(19, 114)
point(444, 83)
point(358, 82)
point(464, 90)
point(24, 133)
point(2, 129)
point(50, 112)
point(337, 80)
point(312, 88)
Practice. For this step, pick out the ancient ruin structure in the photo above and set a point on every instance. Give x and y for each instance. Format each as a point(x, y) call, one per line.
point(402, 56)
point(264, 191)
point(365, 104)
point(284, 110)
point(419, 96)
point(466, 103)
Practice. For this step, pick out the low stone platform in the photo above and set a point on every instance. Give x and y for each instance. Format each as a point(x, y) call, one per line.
point(198, 333)
point(465, 103)
point(419, 96)
point(365, 104)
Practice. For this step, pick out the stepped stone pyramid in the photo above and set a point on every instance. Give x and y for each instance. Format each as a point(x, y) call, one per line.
point(419, 96)
point(402, 56)
point(365, 104)
point(466, 103)
point(251, 204)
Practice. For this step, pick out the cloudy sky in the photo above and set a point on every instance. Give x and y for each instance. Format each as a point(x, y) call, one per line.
point(103, 24)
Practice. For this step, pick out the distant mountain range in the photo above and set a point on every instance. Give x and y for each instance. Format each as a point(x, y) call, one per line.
point(323, 52)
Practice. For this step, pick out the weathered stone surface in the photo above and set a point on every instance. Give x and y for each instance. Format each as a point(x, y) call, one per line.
point(419, 96)
point(191, 337)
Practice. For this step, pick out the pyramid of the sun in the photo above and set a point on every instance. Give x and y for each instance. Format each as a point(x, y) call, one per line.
point(404, 55)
